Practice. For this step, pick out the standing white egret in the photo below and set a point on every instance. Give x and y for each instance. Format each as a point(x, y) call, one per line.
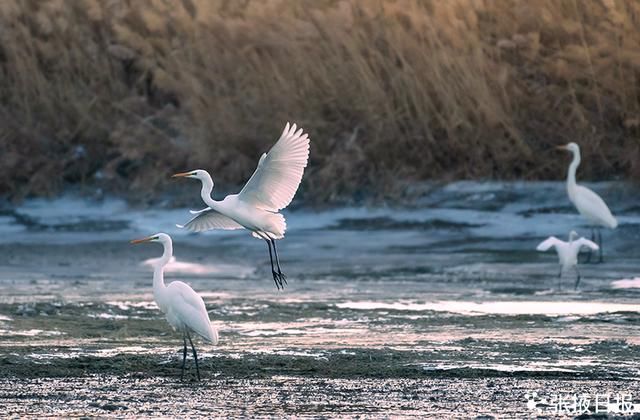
point(184, 308)
point(589, 204)
point(269, 190)
point(567, 252)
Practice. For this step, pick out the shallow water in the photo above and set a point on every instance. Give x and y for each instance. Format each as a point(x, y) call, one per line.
point(443, 309)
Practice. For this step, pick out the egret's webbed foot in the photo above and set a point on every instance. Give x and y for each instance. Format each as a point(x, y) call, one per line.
point(276, 279)
point(279, 279)
point(277, 276)
point(281, 276)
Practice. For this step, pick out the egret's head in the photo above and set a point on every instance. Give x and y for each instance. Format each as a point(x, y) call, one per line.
point(573, 235)
point(571, 147)
point(158, 237)
point(200, 174)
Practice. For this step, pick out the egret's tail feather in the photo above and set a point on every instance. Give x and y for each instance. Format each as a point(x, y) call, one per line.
point(279, 225)
point(210, 335)
point(213, 336)
point(275, 229)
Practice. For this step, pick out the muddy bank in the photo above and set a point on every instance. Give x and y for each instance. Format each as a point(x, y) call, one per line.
point(444, 309)
point(289, 396)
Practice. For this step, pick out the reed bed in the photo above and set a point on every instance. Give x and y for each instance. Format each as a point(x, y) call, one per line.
point(118, 94)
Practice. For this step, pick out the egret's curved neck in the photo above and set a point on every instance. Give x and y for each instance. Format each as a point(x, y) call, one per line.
point(159, 287)
point(571, 174)
point(205, 192)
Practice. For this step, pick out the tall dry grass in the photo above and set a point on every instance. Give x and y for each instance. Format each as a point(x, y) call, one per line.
point(120, 93)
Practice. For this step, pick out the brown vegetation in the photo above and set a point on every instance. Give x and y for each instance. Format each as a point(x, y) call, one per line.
point(121, 93)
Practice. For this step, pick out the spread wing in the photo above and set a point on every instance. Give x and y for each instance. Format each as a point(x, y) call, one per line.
point(208, 219)
point(279, 172)
point(584, 242)
point(548, 243)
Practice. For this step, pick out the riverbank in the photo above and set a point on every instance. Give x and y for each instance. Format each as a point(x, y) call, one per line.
point(117, 96)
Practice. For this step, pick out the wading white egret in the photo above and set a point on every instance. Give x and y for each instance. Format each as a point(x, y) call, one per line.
point(589, 204)
point(269, 190)
point(567, 252)
point(183, 307)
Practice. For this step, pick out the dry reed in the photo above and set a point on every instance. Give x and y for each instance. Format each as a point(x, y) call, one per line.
point(119, 94)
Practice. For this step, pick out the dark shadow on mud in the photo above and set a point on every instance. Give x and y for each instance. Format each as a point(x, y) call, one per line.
point(387, 223)
point(370, 364)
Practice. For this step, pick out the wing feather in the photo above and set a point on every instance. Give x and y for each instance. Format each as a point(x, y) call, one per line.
point(199, 211)
point(548, 243)
point(584, 242)
point(279, 172)
point(189, 307)
point(208, 219)
point(593, 207)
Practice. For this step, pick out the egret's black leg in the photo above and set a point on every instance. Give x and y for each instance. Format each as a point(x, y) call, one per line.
point(600, 245)
point(560, 279)
point(593, 239)
point(195, 355)
point(283, 278)
point(578, 277)
point(276, 279)
point(184, 354)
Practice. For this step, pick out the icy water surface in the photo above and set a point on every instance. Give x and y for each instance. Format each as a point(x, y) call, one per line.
point(443, 310)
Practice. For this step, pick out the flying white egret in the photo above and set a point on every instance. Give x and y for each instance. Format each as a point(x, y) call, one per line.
point(183, 307)
point(256, 207)
point(567, 252)
point(589, 204)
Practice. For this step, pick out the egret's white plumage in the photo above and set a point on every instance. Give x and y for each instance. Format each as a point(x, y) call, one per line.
point(567, 251)
point(589, 204)
point(183, 307)
point(270, 189)
point(279, 172)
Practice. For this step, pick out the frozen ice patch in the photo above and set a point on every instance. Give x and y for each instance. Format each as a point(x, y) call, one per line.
point(626, 283)
point(185, 267)
point(552, 308)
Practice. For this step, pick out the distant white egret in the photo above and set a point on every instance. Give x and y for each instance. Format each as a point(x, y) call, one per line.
point(567, 252)
point(183, 307)
point(588, 203)
point(270, 189)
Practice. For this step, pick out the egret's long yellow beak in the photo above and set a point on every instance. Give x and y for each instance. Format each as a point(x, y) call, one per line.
point(180, 174)
point(141, 241)
point(563, 147)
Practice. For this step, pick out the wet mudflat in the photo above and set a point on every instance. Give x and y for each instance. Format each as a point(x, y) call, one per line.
point(445, 309)
point(293, 396)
